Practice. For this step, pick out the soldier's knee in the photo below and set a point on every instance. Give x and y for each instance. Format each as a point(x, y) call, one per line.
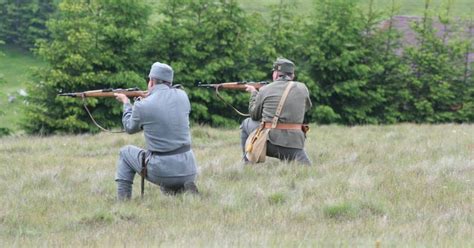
point(244, 123)
point(248, 125)
point(124, 173)
point(125, 150)
point(303, 158)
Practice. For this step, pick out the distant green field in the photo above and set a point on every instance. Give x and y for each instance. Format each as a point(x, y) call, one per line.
point(407, 7)
point(16, 67)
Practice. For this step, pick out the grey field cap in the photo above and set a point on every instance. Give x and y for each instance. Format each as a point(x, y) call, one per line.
point(161, 71)
point(284, 65)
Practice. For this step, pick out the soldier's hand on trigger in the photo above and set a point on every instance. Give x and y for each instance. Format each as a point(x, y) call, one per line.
point(142, 96)
point(121, 98)
point(250, 88)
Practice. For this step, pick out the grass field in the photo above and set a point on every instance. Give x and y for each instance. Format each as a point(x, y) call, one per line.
point(402, 185)
point(16, 66)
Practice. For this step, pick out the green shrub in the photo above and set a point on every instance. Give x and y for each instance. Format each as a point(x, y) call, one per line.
point(94, 45)
point(4, 131)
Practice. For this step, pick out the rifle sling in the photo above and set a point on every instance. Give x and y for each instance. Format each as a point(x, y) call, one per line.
point(92, 118)
point(230, 105)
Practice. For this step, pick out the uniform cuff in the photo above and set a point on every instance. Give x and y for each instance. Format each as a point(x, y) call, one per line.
point(127, 107)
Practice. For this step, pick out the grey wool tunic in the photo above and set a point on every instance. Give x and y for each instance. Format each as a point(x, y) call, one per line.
point(164, 118)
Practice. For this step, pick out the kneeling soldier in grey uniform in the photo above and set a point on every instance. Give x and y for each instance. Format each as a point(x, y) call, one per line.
point(164, 118)
point(286, 141)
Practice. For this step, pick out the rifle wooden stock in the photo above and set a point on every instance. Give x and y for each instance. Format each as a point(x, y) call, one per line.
point(132, 92)
point(234, 85)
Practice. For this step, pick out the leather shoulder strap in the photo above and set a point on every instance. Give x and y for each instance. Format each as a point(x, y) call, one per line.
point(281, 103)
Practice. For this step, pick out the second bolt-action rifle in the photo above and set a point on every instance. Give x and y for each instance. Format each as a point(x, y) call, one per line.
point(233, 86)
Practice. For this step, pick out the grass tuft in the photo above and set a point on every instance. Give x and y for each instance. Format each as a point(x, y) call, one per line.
point(100, 217)
point(343, 210)
point(276, 198)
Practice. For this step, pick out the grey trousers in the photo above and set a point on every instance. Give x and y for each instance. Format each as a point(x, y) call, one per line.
point(275, 151)
point(130, 163)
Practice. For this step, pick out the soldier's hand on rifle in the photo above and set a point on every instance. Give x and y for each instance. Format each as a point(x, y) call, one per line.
point(121, 98)
point(142, 95)
point(250, 88)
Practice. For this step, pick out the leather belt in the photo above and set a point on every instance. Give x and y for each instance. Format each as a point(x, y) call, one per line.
point(182, 149)
point(292, 126)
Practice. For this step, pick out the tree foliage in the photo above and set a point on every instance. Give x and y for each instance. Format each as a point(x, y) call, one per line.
point(436, 81)
point(94, 45)
point(357, 71)
point(341, 60)
point(23, 22)
point(208, 41)
point(3, 130)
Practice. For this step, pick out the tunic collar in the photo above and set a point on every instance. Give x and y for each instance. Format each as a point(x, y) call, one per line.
point(283, 78)
point(159, 87)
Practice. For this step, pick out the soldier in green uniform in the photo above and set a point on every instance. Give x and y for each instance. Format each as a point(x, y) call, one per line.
point(286, 141)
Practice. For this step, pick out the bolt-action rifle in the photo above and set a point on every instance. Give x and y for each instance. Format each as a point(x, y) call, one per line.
point(233, 86)
point(131, 92)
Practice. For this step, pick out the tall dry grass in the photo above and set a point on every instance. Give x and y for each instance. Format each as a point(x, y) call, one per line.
point(401, 185)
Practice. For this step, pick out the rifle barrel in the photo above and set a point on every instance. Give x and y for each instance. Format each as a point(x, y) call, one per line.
point(69, 94)
point(207, 85)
